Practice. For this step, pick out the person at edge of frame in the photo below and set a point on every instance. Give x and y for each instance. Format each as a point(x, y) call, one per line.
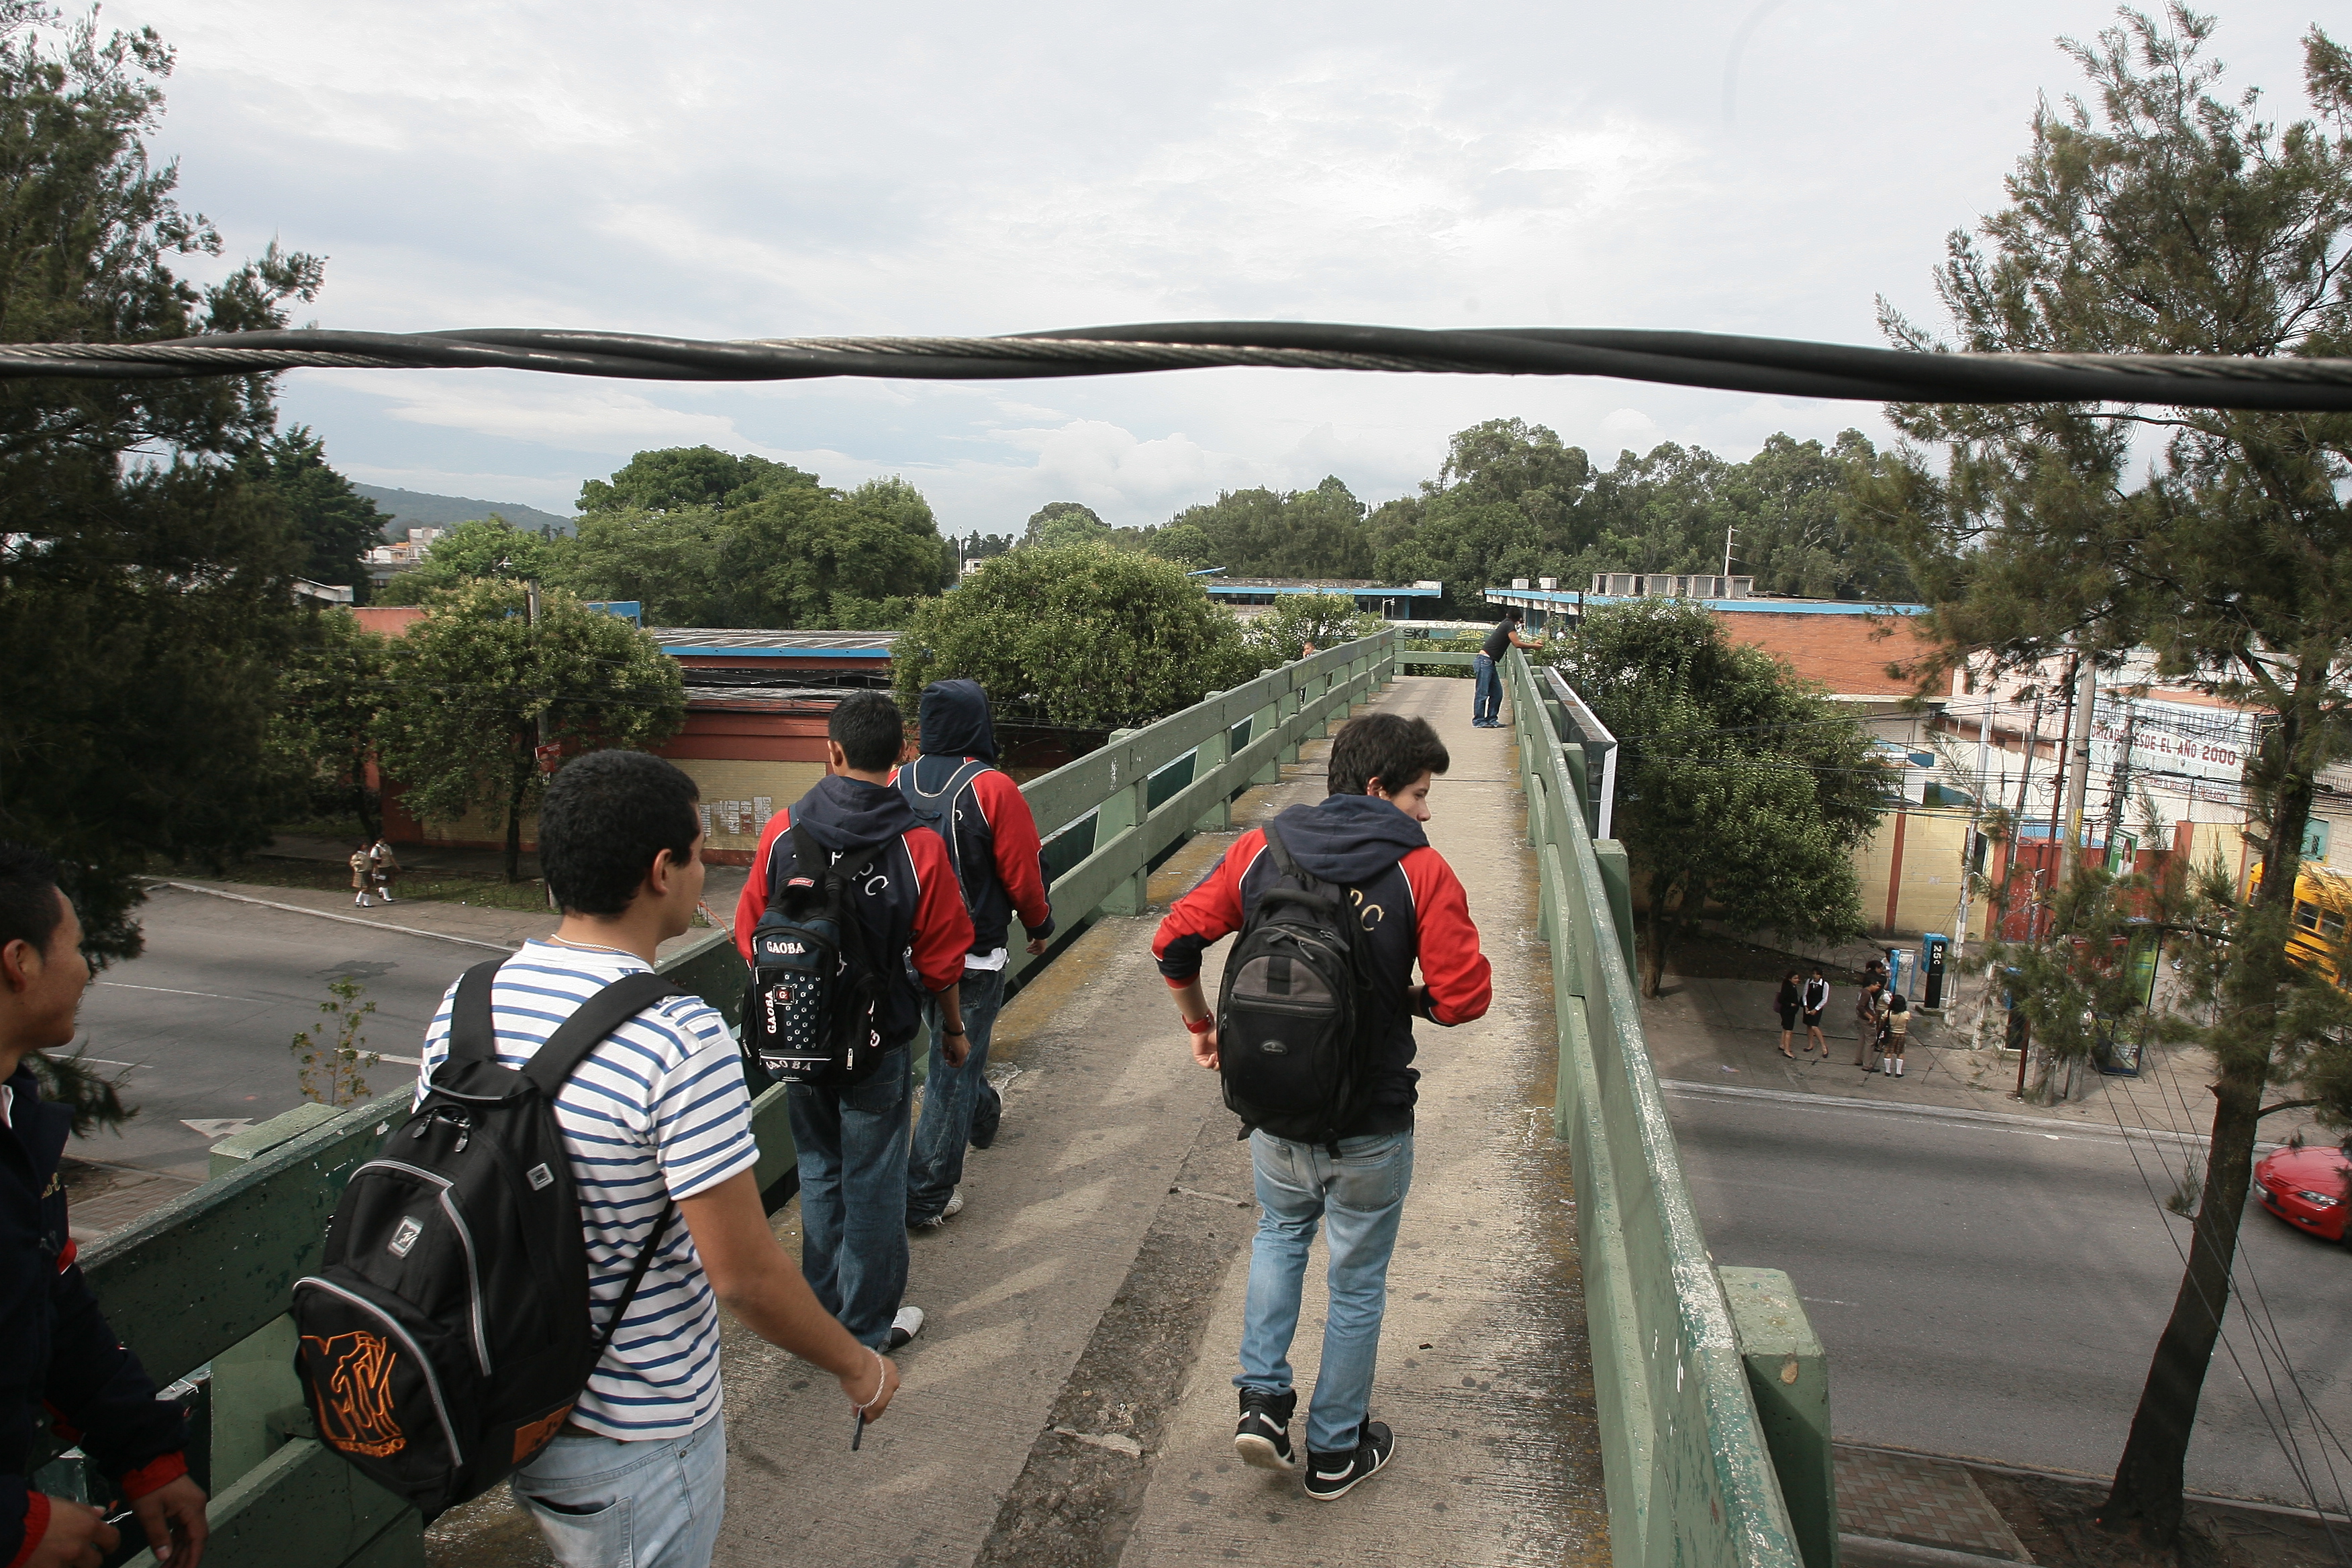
point(1486, 702)
point(657, 1115)
point(852, 1141)
point(59, 1353)
point(1366, 836)
point(992, 837)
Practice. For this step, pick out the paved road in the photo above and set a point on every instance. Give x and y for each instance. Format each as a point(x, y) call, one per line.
point(1994, 1292)
point(206, 1018)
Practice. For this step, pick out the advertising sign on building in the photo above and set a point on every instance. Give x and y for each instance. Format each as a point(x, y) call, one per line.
point(2177, 748)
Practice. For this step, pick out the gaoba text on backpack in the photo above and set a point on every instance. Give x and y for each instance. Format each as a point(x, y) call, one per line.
point(813, 1012)
point(1292, 1041)
point(448, 1331)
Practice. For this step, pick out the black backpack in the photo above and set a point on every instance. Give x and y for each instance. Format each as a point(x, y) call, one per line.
point(448, 1331)
point(1292, 1017)
point(813, 1012)
point(937, 812)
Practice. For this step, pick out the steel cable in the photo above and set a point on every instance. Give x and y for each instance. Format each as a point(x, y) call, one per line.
point(1772, 366)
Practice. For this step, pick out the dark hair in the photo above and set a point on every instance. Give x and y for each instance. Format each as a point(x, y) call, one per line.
point(869, 729)
point(30, 910)
point(1513, 617)
point(1386, 747)
point(605, 817)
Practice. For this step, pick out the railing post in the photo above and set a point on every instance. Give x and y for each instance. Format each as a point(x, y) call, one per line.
point(1263, 722)
point(1214, 753)
point(1290, 701)
point(1127, 806)
point(1788, 1374)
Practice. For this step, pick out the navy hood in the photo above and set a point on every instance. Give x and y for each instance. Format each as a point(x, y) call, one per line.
point(954, 722)
point(850, 815)
point(1350, 838)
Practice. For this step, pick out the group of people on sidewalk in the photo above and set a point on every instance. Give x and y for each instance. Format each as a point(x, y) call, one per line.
point(375, 869)
point(655, 1121)
point(1882, 1017)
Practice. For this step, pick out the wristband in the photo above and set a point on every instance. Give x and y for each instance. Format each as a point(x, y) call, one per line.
point(957, 1033)
point(1200, 1026)
point(880, 1378)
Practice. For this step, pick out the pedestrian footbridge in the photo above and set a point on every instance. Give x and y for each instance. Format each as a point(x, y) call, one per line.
point(1569, 1378)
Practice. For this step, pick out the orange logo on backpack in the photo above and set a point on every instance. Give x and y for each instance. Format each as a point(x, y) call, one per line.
point(354, 1397)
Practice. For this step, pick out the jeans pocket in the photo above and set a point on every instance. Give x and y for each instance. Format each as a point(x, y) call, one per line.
point(585, 1535)
point(1368, 1179)
point(884, 1092)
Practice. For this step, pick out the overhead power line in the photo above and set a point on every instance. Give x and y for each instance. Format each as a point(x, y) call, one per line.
point(1778, 366)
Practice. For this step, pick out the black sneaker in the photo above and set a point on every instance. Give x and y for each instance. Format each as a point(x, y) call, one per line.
point(1262, 1438)
point(1335, 1475)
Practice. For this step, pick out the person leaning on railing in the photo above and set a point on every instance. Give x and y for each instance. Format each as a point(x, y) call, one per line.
point(1486, 700)
point(56, 1350)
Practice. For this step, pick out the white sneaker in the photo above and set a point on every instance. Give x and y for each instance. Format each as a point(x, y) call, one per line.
point(948, 1211)
point(905, 1327)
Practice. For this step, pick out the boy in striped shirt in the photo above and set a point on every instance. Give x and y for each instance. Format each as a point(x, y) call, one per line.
point(657, 1115)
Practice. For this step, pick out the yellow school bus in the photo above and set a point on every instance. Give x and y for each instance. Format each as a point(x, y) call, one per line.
point(2323, 903)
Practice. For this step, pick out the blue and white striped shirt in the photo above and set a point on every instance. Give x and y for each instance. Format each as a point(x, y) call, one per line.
point(657, 1112)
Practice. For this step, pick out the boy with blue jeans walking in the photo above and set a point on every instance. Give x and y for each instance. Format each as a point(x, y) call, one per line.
point(955, 788)
point(1365, 836)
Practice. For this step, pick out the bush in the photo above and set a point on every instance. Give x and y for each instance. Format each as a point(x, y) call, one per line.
point(1299, 621)
point(1078, 636)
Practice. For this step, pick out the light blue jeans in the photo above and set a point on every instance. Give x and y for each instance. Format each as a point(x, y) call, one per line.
point(950, 1095)
point(1361, 1196)
point(653, 1503)
point(1487, 704)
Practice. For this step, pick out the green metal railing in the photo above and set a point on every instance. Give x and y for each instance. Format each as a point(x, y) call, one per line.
point(1713, 1391)
point(199, 1287)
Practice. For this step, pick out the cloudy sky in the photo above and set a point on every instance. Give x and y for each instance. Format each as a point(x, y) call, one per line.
point(752, 169)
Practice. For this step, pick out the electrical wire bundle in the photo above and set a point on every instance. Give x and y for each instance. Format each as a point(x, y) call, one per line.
point(1772, 366)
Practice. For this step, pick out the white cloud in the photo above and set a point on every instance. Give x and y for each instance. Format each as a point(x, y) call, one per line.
point(740, 170)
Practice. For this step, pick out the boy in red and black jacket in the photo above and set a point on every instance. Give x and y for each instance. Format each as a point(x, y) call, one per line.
point(853, 1141)
point(1366, 836)
point(954, 784)
point(60, 1366)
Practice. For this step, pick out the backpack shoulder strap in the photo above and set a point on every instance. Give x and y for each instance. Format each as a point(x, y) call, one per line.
point(473, 1037)
point(1283, 863)
point(586, 1028)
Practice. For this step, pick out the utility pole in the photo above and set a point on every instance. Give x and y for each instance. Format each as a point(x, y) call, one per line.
point(539, 753)
point(2081, 702)
point(2122, 782)
point(1727, 535)
point(1976, 822)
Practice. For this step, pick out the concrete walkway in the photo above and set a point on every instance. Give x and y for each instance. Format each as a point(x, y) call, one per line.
point(1070, 1401)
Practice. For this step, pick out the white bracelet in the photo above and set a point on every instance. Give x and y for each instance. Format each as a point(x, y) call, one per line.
point(881, 1376)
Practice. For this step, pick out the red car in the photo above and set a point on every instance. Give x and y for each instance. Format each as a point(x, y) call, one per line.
point(2307, 1188)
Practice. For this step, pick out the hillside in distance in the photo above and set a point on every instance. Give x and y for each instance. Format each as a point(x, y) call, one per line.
point(417, 509)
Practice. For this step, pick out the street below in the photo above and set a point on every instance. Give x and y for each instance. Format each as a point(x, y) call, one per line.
point(201, 1026)
point(1994, 1292)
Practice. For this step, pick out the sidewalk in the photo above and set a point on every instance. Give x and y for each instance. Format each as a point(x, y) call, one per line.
point(1718, 1032)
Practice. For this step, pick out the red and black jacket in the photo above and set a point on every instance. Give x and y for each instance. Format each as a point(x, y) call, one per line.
point(60, 1366)
point(912, 905)
point(1412, 909)
point(995, 838)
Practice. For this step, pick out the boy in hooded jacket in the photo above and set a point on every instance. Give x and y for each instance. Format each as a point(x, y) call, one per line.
point(852, 1141)
point(978, 811)
point(1365, 836)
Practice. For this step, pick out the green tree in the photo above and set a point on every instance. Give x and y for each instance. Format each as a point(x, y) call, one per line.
point(1061, 523)
point(485, 548)
point(336, 523)
point(144, 581)
point(702, 537)
point(1295, 622)
point(322, 735)
point(1741, 788)
point(676, 478)
point(471, 683)
point(2162, 217)
point(1081, 636)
